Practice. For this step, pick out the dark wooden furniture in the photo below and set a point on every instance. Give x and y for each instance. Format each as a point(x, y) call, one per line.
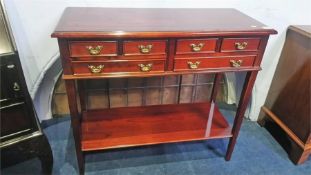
point(21, 137)
point(100, 43)
point(286, 113)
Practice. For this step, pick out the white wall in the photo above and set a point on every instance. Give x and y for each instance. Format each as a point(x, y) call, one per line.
point(34, 20)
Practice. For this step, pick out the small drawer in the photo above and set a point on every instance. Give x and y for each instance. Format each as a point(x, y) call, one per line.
point(92, 48)
point(240, 44)
point(213, 62)
point(144, 47)
point(96, 68)
point(188, 46)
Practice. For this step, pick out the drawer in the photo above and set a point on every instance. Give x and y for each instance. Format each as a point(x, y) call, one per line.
point(118, 67)
point(213, 62)
point(92, 48)
point(145, 47)
point(240, 44)
point(188, 46)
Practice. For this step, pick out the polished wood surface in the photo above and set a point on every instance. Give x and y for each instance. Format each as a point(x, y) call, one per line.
point(229, 44)
point(212, 63)
point(110, 128)
point(158, 47)
point(117, 67)
point(80, 49)
point(143, 22)
point(185, 46)
point(169, 42)
point(286, 113)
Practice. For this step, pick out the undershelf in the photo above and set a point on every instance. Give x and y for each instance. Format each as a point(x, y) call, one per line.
point(135, 126)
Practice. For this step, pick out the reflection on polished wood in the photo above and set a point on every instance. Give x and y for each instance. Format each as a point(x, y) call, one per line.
point(110, 128)
point(174, 43)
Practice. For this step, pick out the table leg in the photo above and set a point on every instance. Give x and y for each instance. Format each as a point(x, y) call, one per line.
point(75, 121)
point(82, 96)
point(245, 95)
point(212, 101)
point(216, 85)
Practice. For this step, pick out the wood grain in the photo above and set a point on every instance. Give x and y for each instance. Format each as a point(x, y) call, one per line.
point(81, 22)
point(123, 127)
point(106, 129)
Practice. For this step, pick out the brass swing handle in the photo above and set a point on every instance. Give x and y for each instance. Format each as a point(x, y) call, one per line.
point(94, 50)
point(145, 49)
point(145, 68)
point(194, 65)
point(96, 69)
point(240, 46)
point(236, 63)
point(197, 47)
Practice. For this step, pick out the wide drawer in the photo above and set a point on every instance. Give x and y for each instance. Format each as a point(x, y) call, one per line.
point(145, 47)
point(118, 67)
point(92, 48)
point(193, 64)
point(189, 46)
point(239, 44)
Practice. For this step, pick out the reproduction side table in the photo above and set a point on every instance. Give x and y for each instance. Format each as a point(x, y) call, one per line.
point(98, 43)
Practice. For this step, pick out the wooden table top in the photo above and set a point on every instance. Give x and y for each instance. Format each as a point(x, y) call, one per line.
point(155, 22)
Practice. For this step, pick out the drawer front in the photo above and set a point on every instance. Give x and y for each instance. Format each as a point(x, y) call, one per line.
point(213, 62)
point(240, 44)
point(93, 48)
point(188, 46)
point(144, 47)
point(96, 68)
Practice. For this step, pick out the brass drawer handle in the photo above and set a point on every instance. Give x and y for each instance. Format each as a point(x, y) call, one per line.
point(240, 46)
point(236, 63)
point(94, 50)
point(196, 47)
point(145, 68)
point(194, 65)
point(96, 69)
point(145, 49)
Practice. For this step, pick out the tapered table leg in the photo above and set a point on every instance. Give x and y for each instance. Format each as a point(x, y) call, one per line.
point(75, 121)
point(216, 85)
point(245, 95)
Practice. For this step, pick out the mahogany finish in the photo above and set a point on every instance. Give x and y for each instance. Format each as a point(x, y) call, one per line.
point(110, 128)
point(184, 46)
point(132, 47)
point(229, 44)
point(79, 48)
point(156, 42)
point(212, 62)
point(94, 22)
point(81, 67)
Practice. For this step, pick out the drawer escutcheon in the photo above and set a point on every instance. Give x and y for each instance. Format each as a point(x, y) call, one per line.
point(145, 49)
point(145, 68)
point(94, 50)
point(240, 46)
point(194, 65)
point(236, 63)
point(96, 69)
point(197, 47)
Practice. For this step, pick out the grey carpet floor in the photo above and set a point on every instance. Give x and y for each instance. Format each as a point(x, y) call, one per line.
point(256, 153)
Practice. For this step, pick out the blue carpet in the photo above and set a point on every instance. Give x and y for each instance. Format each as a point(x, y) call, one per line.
point(256, 153)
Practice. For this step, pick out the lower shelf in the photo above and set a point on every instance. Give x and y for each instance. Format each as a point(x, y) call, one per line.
point(135, 126)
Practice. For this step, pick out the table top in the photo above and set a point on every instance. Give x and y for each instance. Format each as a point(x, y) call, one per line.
point(155, 22)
